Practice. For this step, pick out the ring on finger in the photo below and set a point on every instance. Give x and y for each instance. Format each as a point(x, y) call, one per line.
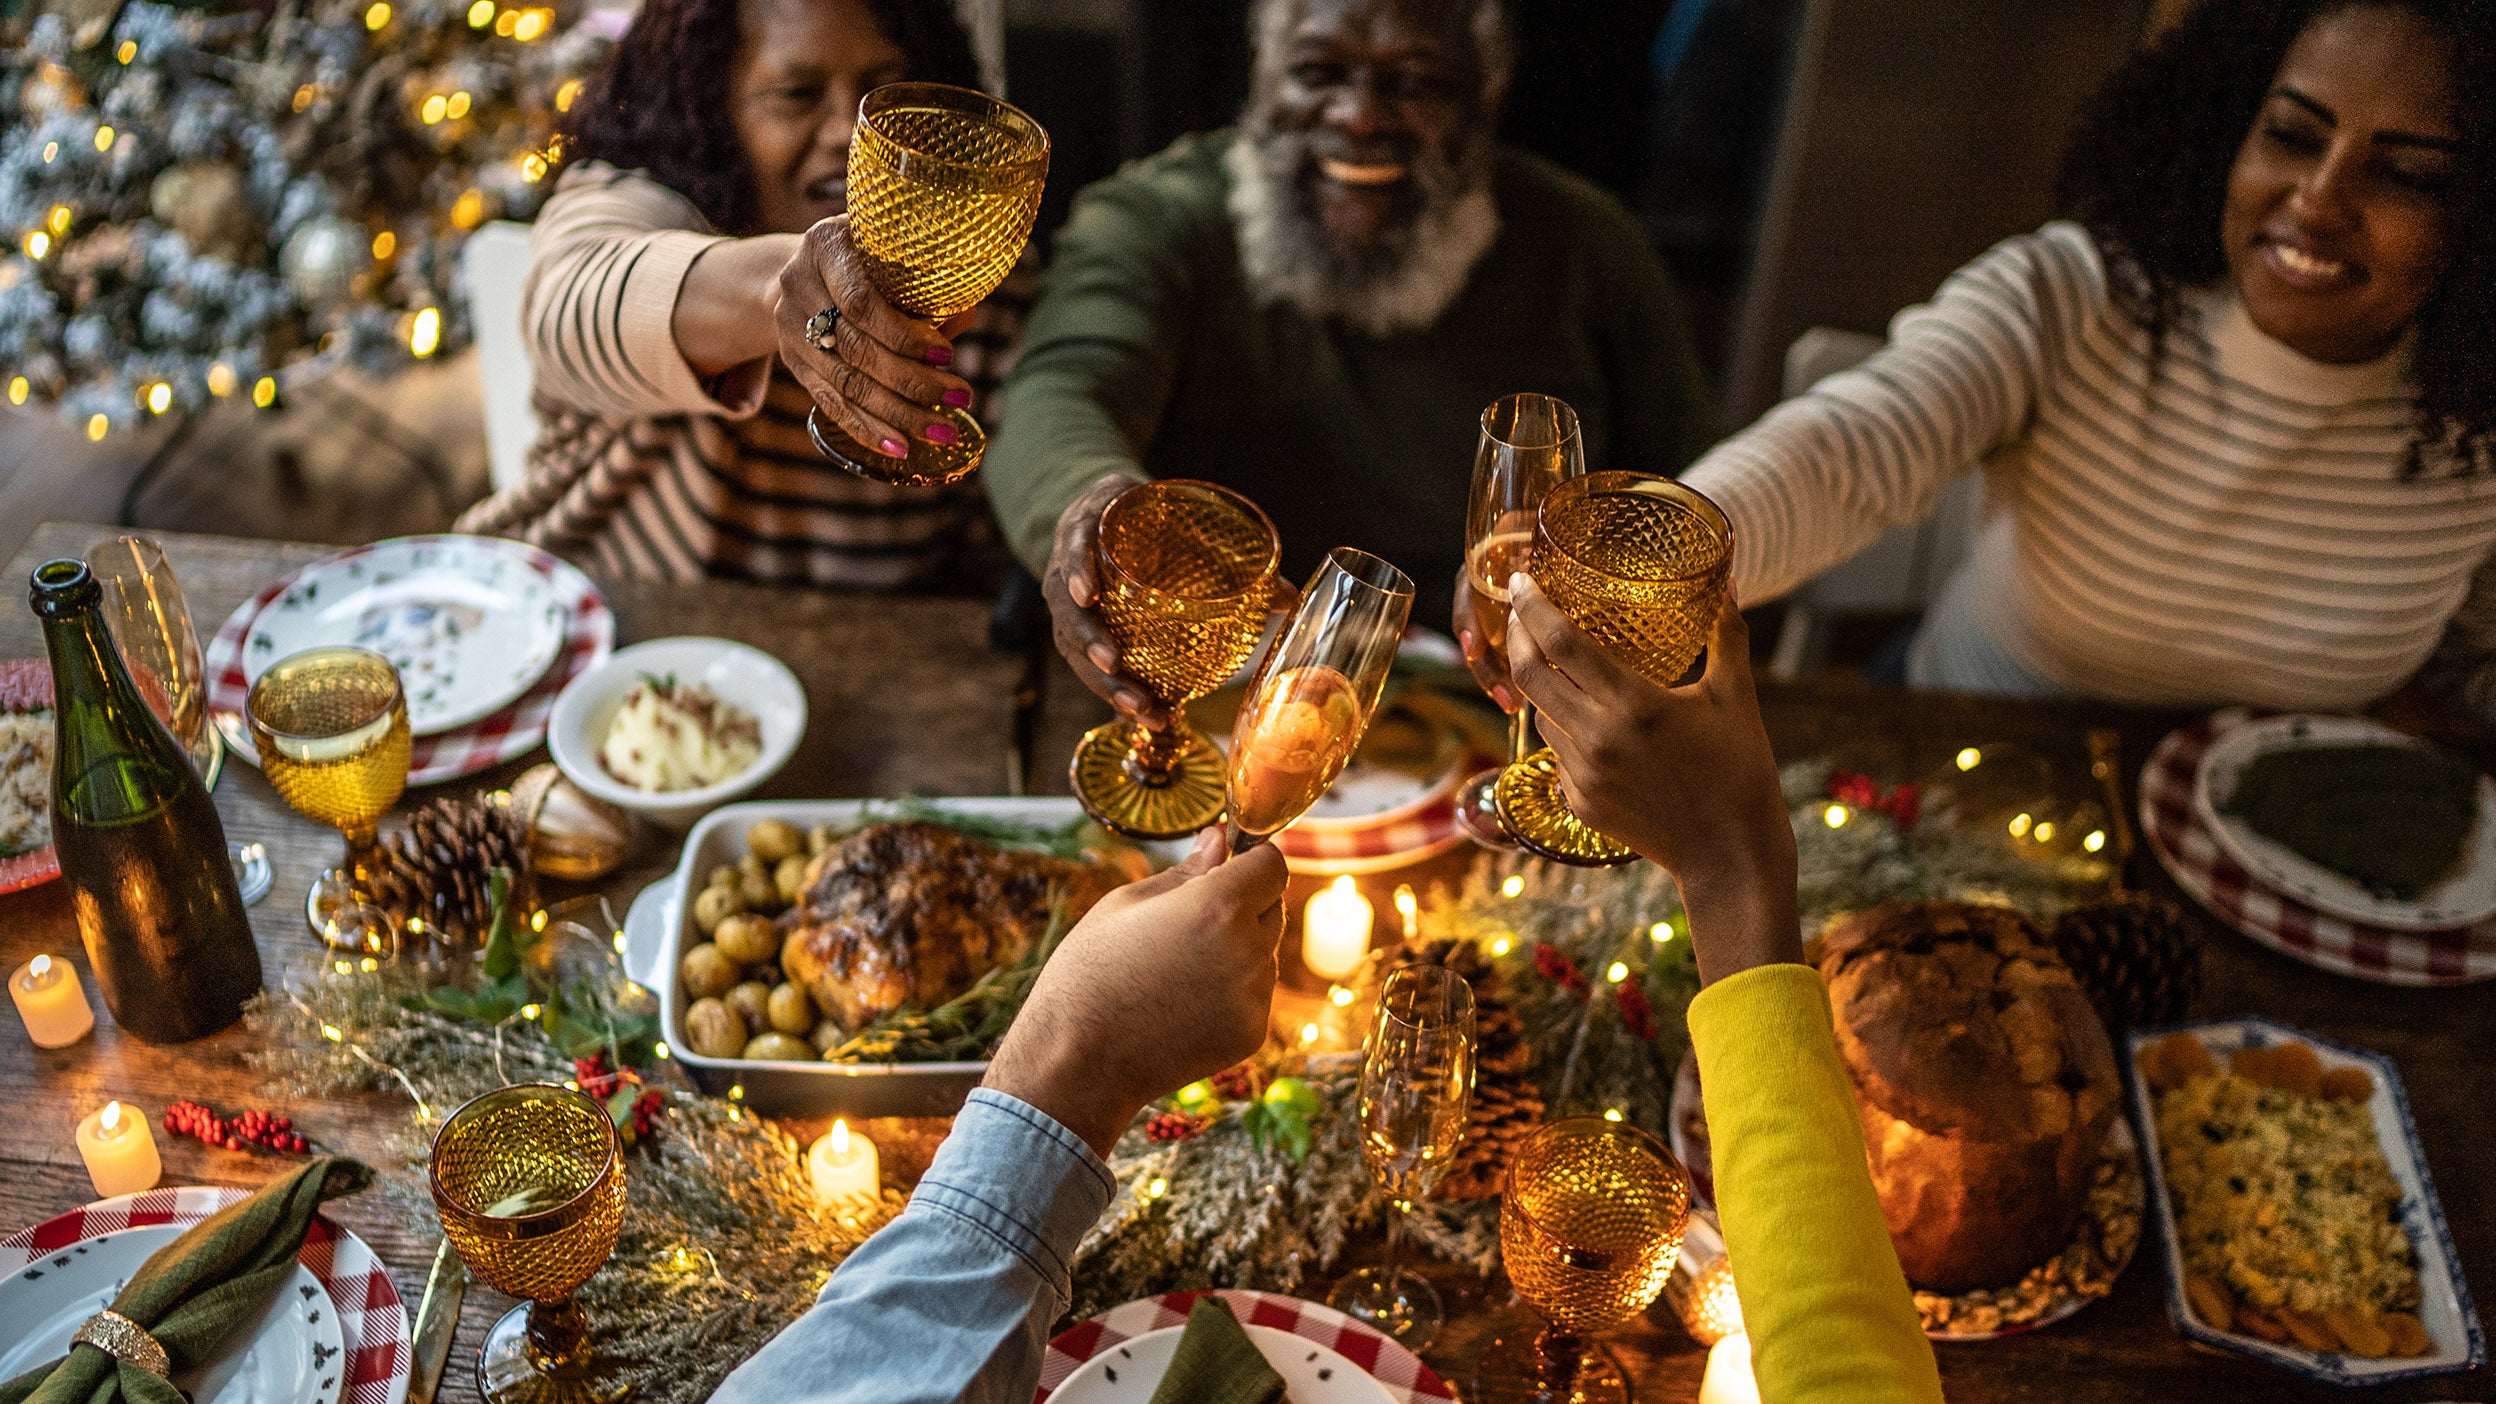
point(821, 326)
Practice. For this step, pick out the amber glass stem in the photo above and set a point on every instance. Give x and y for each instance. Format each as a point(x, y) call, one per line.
point(1557, 1354)
point(1154, 755)
point(559, 1337)
point(1519, 726)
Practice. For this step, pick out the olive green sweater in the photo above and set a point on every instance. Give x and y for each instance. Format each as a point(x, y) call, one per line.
point(1147, 354)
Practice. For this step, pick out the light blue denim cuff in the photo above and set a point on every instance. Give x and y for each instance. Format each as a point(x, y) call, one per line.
point(1011, 1169)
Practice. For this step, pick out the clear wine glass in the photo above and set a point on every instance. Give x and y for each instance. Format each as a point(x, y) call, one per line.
point(1530, 445)
point(1416, 1093)
point(1315, 693)
point(151, 627)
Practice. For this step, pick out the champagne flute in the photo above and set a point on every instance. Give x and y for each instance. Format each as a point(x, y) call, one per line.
point(943, 185)
point(151, 627)
point(1639, 563)
point(531, 1193)
point(1416, 1091)
point(1588, 1230)
point(1530, 445)
point(1315, 693)
point(1186, 573)
point(330, 725)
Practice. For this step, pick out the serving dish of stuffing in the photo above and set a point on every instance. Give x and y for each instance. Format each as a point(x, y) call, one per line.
point(2301, 1225)
point(861, 957)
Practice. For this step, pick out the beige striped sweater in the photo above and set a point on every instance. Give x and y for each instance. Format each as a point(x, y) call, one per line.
point(642, 468)
point(2229, 525)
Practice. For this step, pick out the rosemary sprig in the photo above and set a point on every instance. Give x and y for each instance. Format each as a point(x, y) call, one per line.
point(1071, 840)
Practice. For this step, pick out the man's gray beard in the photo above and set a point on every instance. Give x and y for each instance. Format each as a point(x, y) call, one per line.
point(1401, 285)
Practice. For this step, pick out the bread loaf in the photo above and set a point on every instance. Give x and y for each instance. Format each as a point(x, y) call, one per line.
point(1985, 1082)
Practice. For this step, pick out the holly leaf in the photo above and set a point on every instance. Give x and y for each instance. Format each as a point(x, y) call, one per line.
point(1278, 1125)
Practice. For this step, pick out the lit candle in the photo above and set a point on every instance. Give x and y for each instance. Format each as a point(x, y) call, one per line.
point(844, 1168)
point(1728, 1379)
point(51, 1001)
point(1408, 907)
point(1334, 929)
point(119, 1150)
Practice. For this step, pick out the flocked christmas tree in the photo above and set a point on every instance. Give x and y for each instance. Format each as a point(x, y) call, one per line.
point(203, 202)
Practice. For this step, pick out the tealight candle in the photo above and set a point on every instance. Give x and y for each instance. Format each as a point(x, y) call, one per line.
point(119, 1150)
point(1334, 929)
point(1728, 1379)
point(51, 1001)
point(844, 1167)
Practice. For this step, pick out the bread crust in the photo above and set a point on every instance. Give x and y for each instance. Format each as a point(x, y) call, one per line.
point(1984, 1081)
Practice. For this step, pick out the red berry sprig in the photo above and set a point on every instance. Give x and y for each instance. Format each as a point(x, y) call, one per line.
point(1636, 1014)
point(1237, 1083)
point(250, 1128)
point(646, 1113)
point(1556, 967)
point(1166, 1127)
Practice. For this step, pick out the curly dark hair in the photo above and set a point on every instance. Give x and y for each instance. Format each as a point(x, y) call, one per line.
point(2147, 175)
point(660, 103)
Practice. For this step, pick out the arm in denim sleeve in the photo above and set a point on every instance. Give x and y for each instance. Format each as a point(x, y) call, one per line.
point(953, 1299)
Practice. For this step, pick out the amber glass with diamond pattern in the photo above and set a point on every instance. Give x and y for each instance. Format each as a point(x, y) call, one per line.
point(943, 185)
point(1186, 572)
point(1588, 1230)
point(554, 1151)
point(1640, 564)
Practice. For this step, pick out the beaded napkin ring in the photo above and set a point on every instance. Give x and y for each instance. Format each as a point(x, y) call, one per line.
point(124, 1339)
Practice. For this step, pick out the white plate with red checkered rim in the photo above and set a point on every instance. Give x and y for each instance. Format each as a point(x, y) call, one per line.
point(371, 1318)
point(517, 729)
point(2462, 897)
point(289, 1354)
point(2189, 852)
point(1405, 1379)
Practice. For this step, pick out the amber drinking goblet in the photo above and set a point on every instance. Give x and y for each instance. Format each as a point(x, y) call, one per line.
point(1315, 692)
point(1416, 1091)
point(1530, 445)
point(531, 1194)
point(330, 725)
point(943, 185)
point(1186, 578)
point(1639, 563)
point(1588, 1230)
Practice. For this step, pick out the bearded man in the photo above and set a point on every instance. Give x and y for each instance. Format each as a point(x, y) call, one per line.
point(1314, 308)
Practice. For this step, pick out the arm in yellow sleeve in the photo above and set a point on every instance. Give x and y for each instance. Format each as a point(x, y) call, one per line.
point(1823, 1299)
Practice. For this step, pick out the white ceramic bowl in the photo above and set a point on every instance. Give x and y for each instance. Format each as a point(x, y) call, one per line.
point(748, 677)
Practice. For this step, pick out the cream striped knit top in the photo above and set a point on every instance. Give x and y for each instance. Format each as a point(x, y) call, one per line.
point(643, 468)
point(2228, 524)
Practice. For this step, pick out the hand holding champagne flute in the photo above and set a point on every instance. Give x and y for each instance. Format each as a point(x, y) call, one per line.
point(1315, 693)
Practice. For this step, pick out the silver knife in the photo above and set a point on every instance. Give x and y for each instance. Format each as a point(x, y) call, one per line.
point(437, 1320)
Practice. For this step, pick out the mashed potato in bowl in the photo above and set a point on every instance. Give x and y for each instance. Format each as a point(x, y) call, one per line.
point(669, 737)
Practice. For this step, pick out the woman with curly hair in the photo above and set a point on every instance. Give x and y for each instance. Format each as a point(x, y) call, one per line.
point(697, 227)
point(2237, 416)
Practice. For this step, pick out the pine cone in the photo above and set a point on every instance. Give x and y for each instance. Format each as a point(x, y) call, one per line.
point(1507, 1104)
point(2138, 957)
point(438, 872)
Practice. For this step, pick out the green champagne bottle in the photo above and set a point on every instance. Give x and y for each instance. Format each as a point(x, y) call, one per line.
point(139, 839)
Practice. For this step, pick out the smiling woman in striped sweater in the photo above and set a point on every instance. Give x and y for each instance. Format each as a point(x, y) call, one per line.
point(699, 223)
point(2237, 420)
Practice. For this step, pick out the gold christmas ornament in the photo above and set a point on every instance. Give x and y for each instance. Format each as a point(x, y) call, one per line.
point(572, 834)
point(204, 202)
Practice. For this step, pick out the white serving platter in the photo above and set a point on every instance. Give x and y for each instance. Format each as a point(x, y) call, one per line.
point(2445, 1308)
point(1312, 1373)
point(659, 927)
point(2463, 899)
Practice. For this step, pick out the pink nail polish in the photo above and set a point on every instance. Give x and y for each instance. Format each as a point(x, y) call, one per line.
point(1464, 640)
point(940, 355)
point(1507, 700)
point(942, 434)
point(959, 399)
point(894, 448)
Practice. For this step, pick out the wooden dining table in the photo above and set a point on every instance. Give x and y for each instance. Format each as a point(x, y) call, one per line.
point(907, 697)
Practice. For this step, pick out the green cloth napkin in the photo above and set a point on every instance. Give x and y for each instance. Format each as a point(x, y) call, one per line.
point(193, 1292)
point(1216, 1363)
point(2393, 819)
